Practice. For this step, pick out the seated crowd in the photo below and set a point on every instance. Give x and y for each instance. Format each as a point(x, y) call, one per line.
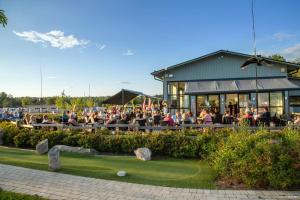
point(156, 115)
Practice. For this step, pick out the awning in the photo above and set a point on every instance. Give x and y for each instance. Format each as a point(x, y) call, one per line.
point(123, 97)
point(231, 86)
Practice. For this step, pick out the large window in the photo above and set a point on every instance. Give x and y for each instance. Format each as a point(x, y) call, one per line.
point(209, 102)
point(176, 98)
point(272, 100)
point(236, 102)
point(295, 101)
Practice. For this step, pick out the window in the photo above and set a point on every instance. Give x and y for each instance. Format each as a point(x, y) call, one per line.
point(295, 101)
point(176, 98)
point(207, 101)
point(231, 103)
point(244, 102)
point(273, 100)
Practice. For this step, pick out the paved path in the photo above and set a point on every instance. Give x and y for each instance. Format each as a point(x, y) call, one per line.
point(61, 186)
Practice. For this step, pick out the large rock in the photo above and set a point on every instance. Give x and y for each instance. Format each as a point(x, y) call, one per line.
point(42, 147)
point(143, 154)
point(76, 149)
point(54, 152)
point(53, 159)
point(1, 136)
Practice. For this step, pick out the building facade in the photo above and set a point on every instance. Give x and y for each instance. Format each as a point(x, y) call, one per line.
point(217, 81)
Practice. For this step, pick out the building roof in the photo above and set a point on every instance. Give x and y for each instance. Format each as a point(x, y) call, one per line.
point(229, 86)
point(158, 73)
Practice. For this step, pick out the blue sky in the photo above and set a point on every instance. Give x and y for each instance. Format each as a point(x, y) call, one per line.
point(116, 44)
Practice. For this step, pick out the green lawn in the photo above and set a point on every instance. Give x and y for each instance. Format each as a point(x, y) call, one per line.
point(159, 171)
point(5, 195)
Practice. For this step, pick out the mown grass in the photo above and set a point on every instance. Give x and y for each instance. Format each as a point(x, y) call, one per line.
point(5, 195)
point(159, 171)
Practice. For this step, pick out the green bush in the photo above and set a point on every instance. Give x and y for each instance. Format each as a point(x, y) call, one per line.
point(264, 159)
point(5, 195)
point(259, 159)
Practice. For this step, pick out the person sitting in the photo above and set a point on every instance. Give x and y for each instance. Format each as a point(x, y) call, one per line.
point(65, 117)
point(207, 120)
point(32, 120)
point(168, 119)
point(72, 120)
point(156, 118)
point(186, 119)
point(227, 118)
point(297, 120)
point(178, 118)
point(27, 118)
point(46, 120)
point(217, 116)
point(265, 117)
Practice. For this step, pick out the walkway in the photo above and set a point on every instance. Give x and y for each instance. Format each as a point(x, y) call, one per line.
point(61, 186)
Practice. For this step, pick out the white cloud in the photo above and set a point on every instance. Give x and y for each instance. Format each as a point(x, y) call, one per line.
point(280, 36)
point(100, 46)
point(55, 38)
point(128, 53)
point(125, 82)
point(292, 52)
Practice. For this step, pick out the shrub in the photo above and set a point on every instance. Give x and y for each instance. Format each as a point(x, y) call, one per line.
point(263, 159)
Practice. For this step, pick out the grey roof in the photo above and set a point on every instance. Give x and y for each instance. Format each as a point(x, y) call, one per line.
point(227, 86)
point(158, 72)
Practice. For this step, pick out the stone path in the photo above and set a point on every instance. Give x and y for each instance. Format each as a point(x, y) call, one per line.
point(61, 186)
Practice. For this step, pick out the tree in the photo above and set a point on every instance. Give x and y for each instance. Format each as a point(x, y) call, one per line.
point(277, 57)
point(25, 101)
point(3, 18)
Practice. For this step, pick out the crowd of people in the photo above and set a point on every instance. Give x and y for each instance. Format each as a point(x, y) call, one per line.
point(157, 115)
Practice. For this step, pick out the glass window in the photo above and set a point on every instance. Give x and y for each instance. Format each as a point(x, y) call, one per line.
point(214, 101)
point(276, 111)
point(231, 103)
point(263, 99)
point(295, 101)
point(243, 100)
point(174, 101)
point(181, 88)
point(276, 99)
point(201, 103)
point(184, 101)
point(173, 88)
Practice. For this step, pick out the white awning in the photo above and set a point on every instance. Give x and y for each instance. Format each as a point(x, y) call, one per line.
point(228, 86)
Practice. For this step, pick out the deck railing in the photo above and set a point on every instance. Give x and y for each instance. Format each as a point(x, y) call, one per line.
point(136, 127)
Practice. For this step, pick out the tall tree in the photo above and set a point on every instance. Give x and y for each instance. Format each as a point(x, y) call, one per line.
point(277, 57)
point(3, 18)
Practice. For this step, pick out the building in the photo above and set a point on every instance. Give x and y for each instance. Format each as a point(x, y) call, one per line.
point(216, 80)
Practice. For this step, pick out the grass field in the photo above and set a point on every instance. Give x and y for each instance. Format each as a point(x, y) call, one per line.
point(5, 195)
point(159, 171)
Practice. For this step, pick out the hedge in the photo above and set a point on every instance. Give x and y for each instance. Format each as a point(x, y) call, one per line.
point(258, 160)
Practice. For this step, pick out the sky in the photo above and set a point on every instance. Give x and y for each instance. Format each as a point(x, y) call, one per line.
point(115, 44)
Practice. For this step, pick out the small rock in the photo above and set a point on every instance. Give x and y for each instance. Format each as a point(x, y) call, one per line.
point(1, 136)
point(42, 147)
point(121, 173)
point(143, 154)
point(53, 159)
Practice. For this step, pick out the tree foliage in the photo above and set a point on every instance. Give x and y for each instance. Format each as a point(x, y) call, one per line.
point(277, 57)
point(3, 18)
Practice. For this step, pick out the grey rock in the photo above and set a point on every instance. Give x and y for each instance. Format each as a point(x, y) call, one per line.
point(121, 173)
point(80, 150)
point(53, 159)
point(1, 136)
point(42, 147)
point(143, 154)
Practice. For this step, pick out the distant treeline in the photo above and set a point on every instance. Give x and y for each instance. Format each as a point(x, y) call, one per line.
point(61, 102)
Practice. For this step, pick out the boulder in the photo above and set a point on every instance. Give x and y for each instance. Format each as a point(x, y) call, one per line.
point(80, 150)
point(42, 147)
point(121, 173)
point(1, 136)
point(53, 159)
point(143, 154)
